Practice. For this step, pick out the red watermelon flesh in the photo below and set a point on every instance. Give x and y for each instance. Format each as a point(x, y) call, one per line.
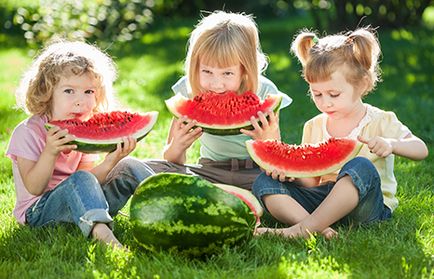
point(229, 111)
point(104, 130)
point(307, 160)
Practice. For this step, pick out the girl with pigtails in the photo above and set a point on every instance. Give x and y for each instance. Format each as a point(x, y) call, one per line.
point(340, 70)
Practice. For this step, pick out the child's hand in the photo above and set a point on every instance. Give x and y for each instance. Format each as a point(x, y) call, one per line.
point(122, 150)
point(57, 140)
point(183, 135)
point(379, 146)
point(268, 130)
point(276, 175)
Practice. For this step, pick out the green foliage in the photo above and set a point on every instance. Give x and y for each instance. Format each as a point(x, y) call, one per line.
point(102, 20)
point(400, 248)
point(341, 15)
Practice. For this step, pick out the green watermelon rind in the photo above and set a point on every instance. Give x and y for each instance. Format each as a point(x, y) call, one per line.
point(163, 205)
point(99, 146)
point(221, 130)
point(300, 174)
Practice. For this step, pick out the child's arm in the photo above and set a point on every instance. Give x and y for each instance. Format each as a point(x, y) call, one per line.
point(36, 175)
point(269, 129)
point(101, 171)
point(410, 147)
point(181, 137)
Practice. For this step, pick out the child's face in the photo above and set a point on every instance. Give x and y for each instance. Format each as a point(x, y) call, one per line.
point(220, 80)
point(336, 97)
point(74, 97)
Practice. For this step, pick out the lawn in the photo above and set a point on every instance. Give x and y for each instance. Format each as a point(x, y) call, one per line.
point(400, 248)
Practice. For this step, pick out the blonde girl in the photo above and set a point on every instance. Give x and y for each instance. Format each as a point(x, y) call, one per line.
point(54, 183)
point(340, 70)
point(223, 55)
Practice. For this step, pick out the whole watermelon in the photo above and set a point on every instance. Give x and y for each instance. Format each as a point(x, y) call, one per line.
point(187, 214)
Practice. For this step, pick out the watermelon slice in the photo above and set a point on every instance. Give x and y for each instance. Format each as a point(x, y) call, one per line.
point(247, 197)
point(222, 114)
point(190, 215)
point(104, 131)
point(307, 160)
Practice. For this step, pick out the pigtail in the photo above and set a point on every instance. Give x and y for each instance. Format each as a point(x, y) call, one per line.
point(302, 45)
point(366, 50)
point(366, 47)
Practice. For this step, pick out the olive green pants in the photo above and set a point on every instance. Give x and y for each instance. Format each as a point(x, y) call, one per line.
point(240, 173)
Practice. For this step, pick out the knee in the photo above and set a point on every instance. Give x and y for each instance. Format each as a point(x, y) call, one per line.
point(361, 165)
point(84, 177)
point(134, 167)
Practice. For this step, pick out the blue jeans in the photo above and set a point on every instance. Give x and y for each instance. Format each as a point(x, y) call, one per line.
point(81, 200)
point(365, 178)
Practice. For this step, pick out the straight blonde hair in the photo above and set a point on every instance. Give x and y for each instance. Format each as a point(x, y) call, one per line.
point(224, 39)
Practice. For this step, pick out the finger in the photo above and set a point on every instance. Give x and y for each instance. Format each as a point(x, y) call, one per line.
point(362, 139)
point(273, 117)
point(60, 133)
point(190, 125)
point(64, 140)
point(249, 133)
point(275, 175)
point(53, 130)
point(263, 120)
point(255, 123)
point(66, 148)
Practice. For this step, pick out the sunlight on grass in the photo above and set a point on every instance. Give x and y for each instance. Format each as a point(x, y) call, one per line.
point(313, 267)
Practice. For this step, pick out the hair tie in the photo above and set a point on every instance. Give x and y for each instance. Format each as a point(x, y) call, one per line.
point(315, 40)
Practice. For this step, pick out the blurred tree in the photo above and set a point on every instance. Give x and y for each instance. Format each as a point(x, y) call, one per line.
point(102, 20)
point(340, 15)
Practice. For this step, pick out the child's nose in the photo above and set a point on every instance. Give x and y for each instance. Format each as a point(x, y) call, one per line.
point(216, 83)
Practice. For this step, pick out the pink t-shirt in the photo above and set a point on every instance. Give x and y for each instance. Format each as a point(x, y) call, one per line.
point(28, 142)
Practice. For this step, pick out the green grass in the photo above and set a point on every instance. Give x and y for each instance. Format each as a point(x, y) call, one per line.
point(400, 248)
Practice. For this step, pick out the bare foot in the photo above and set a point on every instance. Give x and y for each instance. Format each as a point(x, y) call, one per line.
point(103, 233)
point(329, 233)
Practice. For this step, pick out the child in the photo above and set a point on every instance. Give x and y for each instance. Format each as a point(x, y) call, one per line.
point(223, 55)
point(53, 182)
point(341, 70)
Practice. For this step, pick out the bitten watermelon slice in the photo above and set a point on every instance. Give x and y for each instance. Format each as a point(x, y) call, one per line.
point(307, 160)
point(104, 131)
point(222, 114)
point(189, 215)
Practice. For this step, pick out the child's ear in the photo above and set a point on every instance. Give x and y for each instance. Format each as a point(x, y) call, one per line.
point(364, 86)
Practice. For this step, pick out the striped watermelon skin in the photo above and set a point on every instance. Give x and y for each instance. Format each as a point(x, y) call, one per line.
point(187, 214)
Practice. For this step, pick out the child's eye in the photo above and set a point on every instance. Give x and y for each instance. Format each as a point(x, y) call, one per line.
point(68, 91)
point(206, 71)
point(89, 92)
point(334, 95)
point(228, 73)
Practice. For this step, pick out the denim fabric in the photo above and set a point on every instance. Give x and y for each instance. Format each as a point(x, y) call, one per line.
point(81, 200)
point(365, 178)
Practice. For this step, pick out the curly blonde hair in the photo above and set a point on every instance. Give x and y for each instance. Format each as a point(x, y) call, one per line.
point(358, 50)
point(224, 39)
point(65, 58)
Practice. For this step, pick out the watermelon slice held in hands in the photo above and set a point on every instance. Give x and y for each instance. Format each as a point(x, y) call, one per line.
point(190, 215)
point(222, 114)
point(104, 131)
point(306, 160)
